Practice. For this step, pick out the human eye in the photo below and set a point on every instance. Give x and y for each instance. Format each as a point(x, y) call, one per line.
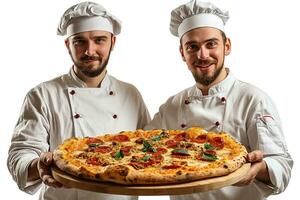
point(211, 44)
point(78, 42)
point(100, 40)
point(192, 47)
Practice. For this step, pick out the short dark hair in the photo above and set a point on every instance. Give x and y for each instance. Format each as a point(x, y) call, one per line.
point(223, 36)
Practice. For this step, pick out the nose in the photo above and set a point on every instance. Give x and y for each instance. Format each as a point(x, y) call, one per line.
point(203, 53)
point(90, 49)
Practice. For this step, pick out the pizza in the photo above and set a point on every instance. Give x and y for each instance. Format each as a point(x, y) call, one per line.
point(145, 157)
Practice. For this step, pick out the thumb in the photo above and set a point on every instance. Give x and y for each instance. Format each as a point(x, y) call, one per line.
point(46, 158)
point(255, 156)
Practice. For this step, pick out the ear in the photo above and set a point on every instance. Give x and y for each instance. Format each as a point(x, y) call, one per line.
point(113, 41)
point(227, 46)
point(181, 53)
point(67, 43)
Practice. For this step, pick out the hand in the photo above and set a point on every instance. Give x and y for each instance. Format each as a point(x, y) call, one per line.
point(43, 166)
point(258, 169)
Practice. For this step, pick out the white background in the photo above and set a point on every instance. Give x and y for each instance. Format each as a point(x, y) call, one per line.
point(265, 43)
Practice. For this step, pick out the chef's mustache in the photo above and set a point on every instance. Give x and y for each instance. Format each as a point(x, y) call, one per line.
point(204, 62)
point(89, 58)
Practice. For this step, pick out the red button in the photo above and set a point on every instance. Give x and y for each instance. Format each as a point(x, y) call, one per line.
point(186, 101)
point(223, 99)
point(183, 125)
point(76, 116)
point(72, 92)
point(111, 92)
point(115, 116)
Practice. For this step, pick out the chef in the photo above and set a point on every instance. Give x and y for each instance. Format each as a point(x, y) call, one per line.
point(220, 102)
point(84, 102)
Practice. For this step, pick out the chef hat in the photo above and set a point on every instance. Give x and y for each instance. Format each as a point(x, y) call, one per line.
point(195, 14)
point(87, 16)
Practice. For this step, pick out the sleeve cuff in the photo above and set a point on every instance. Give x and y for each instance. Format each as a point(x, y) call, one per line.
point(273, 169)
point(29, 187)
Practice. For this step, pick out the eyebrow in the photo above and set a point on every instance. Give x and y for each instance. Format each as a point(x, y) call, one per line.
point(205, 41)
point(77, 38)
point(100, 36)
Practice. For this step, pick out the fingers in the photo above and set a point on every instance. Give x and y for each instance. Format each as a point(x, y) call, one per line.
point(256, 160)
point(250, 176)
point(46, 158)
point(50, 181)
point(255, 156)
point(44, 170)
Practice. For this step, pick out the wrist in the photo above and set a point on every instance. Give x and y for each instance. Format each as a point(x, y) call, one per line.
point(263, 173)
point(33, 172)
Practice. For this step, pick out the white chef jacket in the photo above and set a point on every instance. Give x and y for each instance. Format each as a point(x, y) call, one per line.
point(242, 110)
point(62, 108)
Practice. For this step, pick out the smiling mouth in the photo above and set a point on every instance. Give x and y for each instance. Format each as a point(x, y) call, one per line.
point(88, 61)
point(204, 66)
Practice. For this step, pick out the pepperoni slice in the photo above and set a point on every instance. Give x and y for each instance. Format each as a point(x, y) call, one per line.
point(211, 152)
point(139, 141)
point(181, 137)
point(171, 166)
point(180, 156)
point(121, 138)
point(93, 161)
point(172, 143)
point(198, 157)
point(217, 142)
point(102, 149)
point(156, 158)
point(200, 139)
point(126, 150)
point(161, 150)
point(140, 165)
point(188, 145)
point(92, 140)
point(113, 153)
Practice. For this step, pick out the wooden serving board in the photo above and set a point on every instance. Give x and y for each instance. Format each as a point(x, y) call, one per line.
point(174, 189)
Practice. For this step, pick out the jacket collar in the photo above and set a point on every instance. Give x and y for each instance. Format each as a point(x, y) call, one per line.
point(223, 87)
point(77, 82)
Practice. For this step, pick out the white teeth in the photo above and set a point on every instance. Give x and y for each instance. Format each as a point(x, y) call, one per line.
point(203, 66)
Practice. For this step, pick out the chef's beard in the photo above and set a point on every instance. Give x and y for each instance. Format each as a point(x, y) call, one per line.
point(97, 71)
point(207, 80)
point(100, 68)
